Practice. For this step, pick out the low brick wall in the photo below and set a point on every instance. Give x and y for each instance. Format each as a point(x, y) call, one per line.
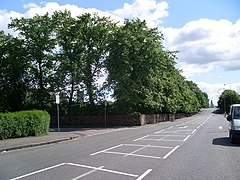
point(117, 120)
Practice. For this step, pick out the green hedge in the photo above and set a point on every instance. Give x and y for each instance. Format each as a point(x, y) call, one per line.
point(24, 123)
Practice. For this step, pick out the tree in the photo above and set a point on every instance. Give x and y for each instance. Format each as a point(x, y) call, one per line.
point(201, 96)
point(95, 32)
point(38, 40)
point(12, 69)
point(83, 49)
point(139, 69)
point(227, 98)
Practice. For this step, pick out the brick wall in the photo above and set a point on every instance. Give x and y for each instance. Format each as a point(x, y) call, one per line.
point(117, 120)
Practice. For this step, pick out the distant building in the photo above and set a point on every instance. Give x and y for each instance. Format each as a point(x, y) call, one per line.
point(211, 104)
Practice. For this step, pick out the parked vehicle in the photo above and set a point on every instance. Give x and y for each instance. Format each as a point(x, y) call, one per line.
point(234, 122)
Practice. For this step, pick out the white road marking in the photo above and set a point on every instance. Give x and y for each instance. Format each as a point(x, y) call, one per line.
point(167, 147)
point(137, 155)
point(184, 127)
point(39, 171)
point(102, 169)
point(140, 138)
point(105, 150)
point(144, 174)
point(220, 127)
point(170, 135)
point(169, 153)
point(163, 129)
point(194, 131)
point(87, 173)
point(135, 151)
point(186, 138)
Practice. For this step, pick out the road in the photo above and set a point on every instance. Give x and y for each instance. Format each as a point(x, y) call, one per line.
point(196, 147)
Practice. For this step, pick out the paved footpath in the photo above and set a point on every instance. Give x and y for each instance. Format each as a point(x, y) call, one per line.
point(53, 137)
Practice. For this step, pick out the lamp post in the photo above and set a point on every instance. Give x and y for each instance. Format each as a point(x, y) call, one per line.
point(105, 113)
point(58, 102)
point(224, 103)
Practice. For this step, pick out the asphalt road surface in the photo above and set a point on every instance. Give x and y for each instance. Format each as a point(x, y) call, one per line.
point(196, 147)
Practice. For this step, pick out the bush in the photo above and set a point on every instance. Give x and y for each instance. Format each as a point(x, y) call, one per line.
point(24, 123)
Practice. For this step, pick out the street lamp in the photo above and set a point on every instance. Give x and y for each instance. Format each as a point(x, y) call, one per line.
point(224, 101)
point(58, 102)
point(105, 113)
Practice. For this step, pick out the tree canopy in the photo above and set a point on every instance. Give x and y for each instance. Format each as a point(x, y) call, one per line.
point(88, 58)
point(227, 98)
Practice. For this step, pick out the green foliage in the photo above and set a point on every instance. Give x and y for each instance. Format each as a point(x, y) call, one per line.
point(69, 55)
point(227, 98)
point(24, 123)
point(202, 97)
point(38, 40)
point(12, 69)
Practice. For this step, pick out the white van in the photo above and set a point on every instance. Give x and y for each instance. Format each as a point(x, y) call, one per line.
point(234, 122)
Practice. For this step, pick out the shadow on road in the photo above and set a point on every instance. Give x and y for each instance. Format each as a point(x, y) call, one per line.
point(224, 141)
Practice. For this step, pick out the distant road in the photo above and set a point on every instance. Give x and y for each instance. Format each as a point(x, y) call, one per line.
point(196, 147)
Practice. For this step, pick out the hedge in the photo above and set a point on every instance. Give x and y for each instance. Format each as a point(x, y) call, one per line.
point(24, 123)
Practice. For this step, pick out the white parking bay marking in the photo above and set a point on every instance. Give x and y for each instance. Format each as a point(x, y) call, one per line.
point(144, 174)
point(183, 127)
point(102, 169)
point(87, 173)
point(39, 171)
point(105, 150)
point(140, 138)
point(169, 153)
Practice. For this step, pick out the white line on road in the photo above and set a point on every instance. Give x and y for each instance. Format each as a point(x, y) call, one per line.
point(167, 147)
point(194, 131)
point(169, 153)
point(186, 138)
point(144, 174)
point(39, 171)
point(101, 169)
point(87, 173)
point(140, 138)
point(137, 155)
point(105, 150)
point(183, 127)
point(220, 127)
point(135, 151)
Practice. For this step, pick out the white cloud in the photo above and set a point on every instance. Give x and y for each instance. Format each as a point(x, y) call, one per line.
point(33, 9)
point(214, 90)
point(149, 10)
point(206, 43)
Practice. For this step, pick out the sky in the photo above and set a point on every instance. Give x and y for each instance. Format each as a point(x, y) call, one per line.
point(206, 33)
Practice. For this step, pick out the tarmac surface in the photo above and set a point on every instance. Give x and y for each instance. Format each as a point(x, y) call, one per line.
point(53, 136)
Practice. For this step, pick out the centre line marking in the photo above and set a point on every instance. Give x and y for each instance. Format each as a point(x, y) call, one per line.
point(144, 174)
point(105, 150)
point(87, 173)
point(186, 138)
point(169, 153)
point(194, 131)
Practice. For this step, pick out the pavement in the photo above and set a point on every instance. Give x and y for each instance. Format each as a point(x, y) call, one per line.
point(53, 136)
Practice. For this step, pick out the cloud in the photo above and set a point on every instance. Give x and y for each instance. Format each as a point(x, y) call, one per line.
point(149, 10)
point(50, 7)
point(214, 90)
point(206, 43)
